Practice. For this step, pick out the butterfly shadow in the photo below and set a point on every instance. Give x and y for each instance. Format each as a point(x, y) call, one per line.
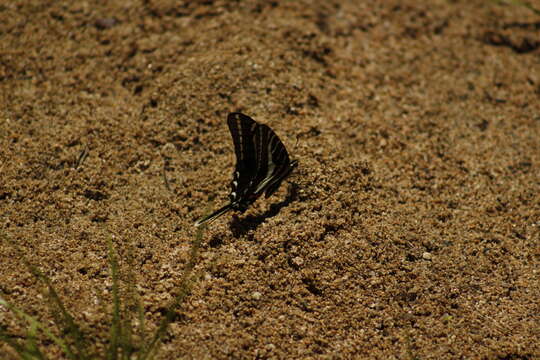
point(241, 226)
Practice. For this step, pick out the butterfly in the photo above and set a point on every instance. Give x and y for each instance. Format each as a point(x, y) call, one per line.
point(262, 163)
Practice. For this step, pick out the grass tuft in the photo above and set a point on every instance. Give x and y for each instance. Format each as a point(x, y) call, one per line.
point(183, 292)
point(127, 337)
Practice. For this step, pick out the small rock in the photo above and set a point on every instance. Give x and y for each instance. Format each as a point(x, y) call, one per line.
point(298, 261)
point(105, 23)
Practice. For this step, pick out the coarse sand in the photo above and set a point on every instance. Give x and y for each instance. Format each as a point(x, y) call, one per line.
point(409, 230)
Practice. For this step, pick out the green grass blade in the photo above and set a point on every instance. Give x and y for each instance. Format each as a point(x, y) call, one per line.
point(63, 317)
point(31, 343)
point(35, 324)
point(132, 309)
point(185, 288)
point(141, 326)
point(112, 351)
point(23, 351)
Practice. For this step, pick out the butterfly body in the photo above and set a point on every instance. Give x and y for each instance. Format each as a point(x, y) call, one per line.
point(262, 163)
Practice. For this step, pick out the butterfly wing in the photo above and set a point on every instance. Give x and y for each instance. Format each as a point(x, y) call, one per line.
point(242, 130)
point(273, 164)
point(262, 163)
point(274, 185)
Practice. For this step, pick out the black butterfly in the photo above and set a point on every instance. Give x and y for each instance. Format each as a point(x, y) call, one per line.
point(262, 163)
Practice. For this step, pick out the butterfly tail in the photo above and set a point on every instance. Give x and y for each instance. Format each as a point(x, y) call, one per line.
point(213, 216)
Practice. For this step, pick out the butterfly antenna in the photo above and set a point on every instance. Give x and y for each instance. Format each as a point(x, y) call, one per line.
point(213, 216)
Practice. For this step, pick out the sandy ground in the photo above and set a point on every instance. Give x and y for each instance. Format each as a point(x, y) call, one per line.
point(414, 229)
